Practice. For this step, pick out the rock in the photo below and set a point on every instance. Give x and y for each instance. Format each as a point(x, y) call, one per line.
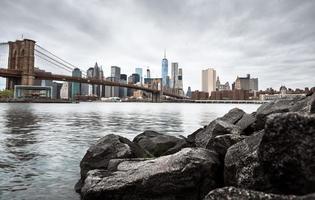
point(229, 193)
point(187, 175)
point(287, 153)
point(192, 137)
point(221, 143)
point(246, 123)
point(215, 128)
point(233, 115)
point(277, 106)
point(312, 103)
point(241, 164)
point(159, 144)
point(109, 147)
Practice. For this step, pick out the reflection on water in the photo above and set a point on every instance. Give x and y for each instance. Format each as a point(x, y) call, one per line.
point(41, 145)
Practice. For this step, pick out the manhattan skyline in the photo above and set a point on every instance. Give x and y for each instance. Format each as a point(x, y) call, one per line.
point(274, 41)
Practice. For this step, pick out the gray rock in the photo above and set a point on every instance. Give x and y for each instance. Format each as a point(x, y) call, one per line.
point(233, 115)
point(312, 103)
point(246, 123)
point(160, 144)
point(277, 106)
point(215, 128)
point(229, 193)
point(287, 153)
point(109, 147)
point(221, 143)
point(241, 164)
point(187, 175)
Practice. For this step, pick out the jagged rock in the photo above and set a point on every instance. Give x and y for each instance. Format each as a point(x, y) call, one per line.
point(241, 164)
point(215, 128)
point(109, 147)
point(287, 153)
point(312, 103)
point(233, 116)
point(246, 123)
point(277, 106)
point(229, 193)
point(192, 137)
point(221, 143)
point(187, 175)
point(159, 144)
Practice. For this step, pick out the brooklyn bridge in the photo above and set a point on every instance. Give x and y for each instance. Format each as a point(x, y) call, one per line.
point(21, 69)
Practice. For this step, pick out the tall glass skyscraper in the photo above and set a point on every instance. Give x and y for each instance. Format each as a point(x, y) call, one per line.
point(164, 70)
point(139, 71)
point(76, 87)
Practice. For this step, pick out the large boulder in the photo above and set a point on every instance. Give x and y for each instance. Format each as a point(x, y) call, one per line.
point(187, 175)
point(233, 115)
point(246, 123)
point(221, 143)
point(160, 144)
point(241, 164)
point(312, 104)
point(215, 128)
point(287, 153)
point(277, 106)
point(109, 147)
point(228, 193)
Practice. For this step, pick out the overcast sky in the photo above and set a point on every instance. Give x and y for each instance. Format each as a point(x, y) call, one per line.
point(273, 40)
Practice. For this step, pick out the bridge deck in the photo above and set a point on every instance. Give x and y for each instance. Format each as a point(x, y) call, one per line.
point(49, 76)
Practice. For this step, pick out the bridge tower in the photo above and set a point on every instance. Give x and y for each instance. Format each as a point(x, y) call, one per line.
point(21, 57)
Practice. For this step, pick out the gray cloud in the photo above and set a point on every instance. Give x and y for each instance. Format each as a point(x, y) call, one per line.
point(272, 40)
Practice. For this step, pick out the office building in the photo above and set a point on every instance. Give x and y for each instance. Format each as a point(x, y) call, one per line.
point(208, 80)
point(164, 73)
point(246, 83)
point(221, 87)
point(148, 73)
point(64, 91)
point(115, 76)
point(90, 74)
point(123, 90)
point(76, 87)
point(189, 93)
point(174, 75)
point(139, 71)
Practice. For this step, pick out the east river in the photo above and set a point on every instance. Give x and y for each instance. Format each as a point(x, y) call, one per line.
point(41, 145)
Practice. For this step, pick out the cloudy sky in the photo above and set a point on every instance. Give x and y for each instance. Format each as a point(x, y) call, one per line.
point(273, 40)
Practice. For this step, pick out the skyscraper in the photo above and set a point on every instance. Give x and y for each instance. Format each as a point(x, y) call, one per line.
point(139, 71)
point(123, 90)
point(174, 75)
point(115, 76)
point(164, 70)
point(208, 80)
point(90, 74)
point(76, 87)
point(148, 73)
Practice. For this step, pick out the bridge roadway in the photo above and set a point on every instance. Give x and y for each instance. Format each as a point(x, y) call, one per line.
point(8, 73)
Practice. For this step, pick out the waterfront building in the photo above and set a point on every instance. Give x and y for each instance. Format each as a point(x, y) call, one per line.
point(246, 83)
point(90, 74)
point(139, 71)
point(148, 73)
point(199, 95)
point(174, 75)
point(84, 89)
point(221, 87)
point(164, 73)
point(189, 93)
point(97, 75)
point(56, 87)
point(123, 90)
point(115, 76)
point(180, 79)
point(208, 77)
point(76, 87)
point(64, 91)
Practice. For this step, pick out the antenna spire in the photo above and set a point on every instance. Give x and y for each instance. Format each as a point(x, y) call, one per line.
point(164, 53)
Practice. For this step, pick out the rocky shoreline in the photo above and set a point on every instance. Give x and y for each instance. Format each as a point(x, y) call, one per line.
point(268, 154)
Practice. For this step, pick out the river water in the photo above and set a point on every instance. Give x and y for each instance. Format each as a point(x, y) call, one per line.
point(41, 145)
